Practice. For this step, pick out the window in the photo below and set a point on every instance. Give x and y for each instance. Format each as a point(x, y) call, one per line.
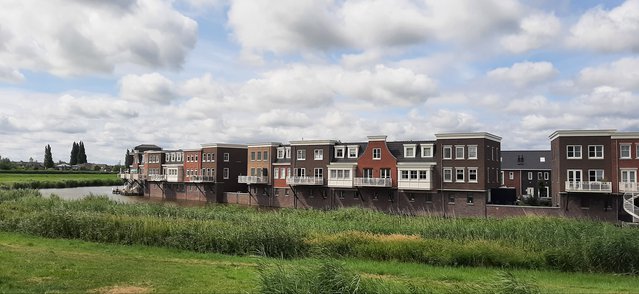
point(367, 173)
point(318, 173)
point(409, 150)
point(339, 152)
point(377, 153)
point(332, 174)
point(252, 171)
point(259, 156)
point(352, 151)
point(459, 152)
point(427, 150)
point(472, 152)
point(573, 151)
point(451, 199)
point(540, 176)
point(448, 152)
point(624, 151)
point(448, 175)
point(511, 175)
point(423, 175)
point(225, 173)
point(595, 152)
point(340, 194)
point(546, 176)
point(530, 176)
point(413, 175)
point(301, 154)
point(252, 156)
point(288, 172)
point(574, 175)
point(472, 175)
point(385, 173)
point(470, 199)
point(595, 175)
point(318, 154)
point(459, 175)
point(226, 157)
point(280, 152)
point(276, 173)
point(637, 151)
point(287, 152)
point(265, 155)
point(411, 197)
point(300, 172)
point(404, 175)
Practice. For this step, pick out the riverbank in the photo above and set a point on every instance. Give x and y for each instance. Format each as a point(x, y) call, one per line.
point(41, 180)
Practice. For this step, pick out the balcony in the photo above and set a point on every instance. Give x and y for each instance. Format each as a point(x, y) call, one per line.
point(414, 184)
point(201, 179)
point(308, 181)
point(591, 187)
point(252, 180)
point(340, 182)
point(628, 187)
point(126, 176)
point(156, 178)
point(373, 182)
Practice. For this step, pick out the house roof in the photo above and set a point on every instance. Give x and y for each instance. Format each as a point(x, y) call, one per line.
point(525, 160)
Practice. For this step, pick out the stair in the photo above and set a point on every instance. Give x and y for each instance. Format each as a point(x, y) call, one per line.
point(630, 207)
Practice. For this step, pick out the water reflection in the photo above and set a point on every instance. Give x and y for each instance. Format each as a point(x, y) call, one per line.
point(81, 192)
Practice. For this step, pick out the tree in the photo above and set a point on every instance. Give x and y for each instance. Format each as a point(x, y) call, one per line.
point(74, 154)
point(6, 164)
point(128, 159)
point(82, 155)
point(48, 157)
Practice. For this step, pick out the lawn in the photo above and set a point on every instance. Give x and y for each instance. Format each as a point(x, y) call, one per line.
point(36, 265)
point(57, 180)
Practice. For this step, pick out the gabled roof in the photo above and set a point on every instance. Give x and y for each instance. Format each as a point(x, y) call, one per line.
point(526, 160)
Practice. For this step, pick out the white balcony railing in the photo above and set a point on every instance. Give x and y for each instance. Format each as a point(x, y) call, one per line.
point(156, 178)
point(414, 184)
point(252, 180)
point(373, 182)
point(628, 187)
point(340, 183)
point(304, 181)
point(573, 186)
point(200, 179)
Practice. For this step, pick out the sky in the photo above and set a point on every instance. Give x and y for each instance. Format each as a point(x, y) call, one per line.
point(115, 74)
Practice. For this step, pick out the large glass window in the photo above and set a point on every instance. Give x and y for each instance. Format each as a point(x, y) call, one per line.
point(573, 151)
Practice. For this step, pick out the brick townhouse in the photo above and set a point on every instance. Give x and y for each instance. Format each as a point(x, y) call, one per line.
point(527, 172)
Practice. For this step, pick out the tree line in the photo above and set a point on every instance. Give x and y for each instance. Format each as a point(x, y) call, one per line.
point(78, 155)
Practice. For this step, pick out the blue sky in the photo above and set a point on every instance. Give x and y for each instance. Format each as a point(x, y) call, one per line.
point(179, 73)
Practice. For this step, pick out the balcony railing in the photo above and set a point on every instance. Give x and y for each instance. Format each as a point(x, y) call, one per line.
point(572, 186)
point(414, 184)
point(340, 182)
point(628, 187)
point(200, 179)
point(156, 178)
point(252, 180)
point(304, 181)
point(373, 182)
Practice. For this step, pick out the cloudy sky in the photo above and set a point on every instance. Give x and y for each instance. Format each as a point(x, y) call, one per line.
point(178, 73)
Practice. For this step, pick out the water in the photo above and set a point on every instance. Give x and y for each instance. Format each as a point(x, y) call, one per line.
point(81, 192)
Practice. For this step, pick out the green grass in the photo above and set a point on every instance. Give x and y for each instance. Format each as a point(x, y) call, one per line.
point(528, 242)
point(36, 265)
point(56, 180)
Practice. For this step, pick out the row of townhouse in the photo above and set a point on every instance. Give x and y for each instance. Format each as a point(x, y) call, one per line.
point(585, 174)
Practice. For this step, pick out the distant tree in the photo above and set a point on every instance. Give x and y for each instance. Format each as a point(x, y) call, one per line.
point(128, 159)
point(6, 164)
point(82, 155)
point(31, 159)
point(48, 157)
point(74, 154)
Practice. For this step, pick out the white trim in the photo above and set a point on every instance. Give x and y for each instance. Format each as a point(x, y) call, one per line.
point(416, 164)
point(312, 142)
point(343, 148)
point(476, 175)
point(478, 135)
point(581, 133)
point(463, 169)
point(444, 174)
point(342, 164)
point(581, 152)
point(625, 135)
point(348, 151)
point(380, 154)
point(596, 157)
point(427, 145)
point(377, 138)
point(222, 145)
point(476, 152)
point(444, 152)
point(265, 144)
point(463, 152)
point(629, 150)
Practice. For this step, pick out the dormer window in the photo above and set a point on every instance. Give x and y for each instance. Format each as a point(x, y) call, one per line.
point(377, 153)
point(409, 150)
point(427, 150)
point(352, 151)
point(339, 152)
point(280, 152)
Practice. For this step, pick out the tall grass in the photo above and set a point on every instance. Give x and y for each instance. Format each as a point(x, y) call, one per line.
point(67, 183)
point(527, 242)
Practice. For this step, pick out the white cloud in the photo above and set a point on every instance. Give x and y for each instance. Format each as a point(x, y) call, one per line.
point(623, 73)
point(612, 30)
point(10, 75)
point(280, 118)
point(152, 87)
point(607, 101)
point(536, 30)
point(524, 73)
point(67, 37)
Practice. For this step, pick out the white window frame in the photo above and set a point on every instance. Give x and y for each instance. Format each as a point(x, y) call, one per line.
point(300, 154)
point(530, 176)
point(352, 154)
point(383, 171)
point(574, 153)
point(546, 176)
point(280, 152)
point(227, 157)
point(621, 156)
point(596, 157)
point(472, 147)
point(450, 173)
point(321, 172)
point(283, 174)
point(430, 149)
point(470, 170)
point(463, 150)
point(511, 175)
point(342, 149)
point(450, 149)
point(318, 154)
point(575, 172)
point(287, 152)
point(276, 173)
point(596, 172)
point(225, 173)
point(463, 173)
point(410, 147)
point(378, 152)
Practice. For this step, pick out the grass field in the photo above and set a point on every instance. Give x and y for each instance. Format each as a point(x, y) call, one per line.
point(37, 265)
point(57, 180)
